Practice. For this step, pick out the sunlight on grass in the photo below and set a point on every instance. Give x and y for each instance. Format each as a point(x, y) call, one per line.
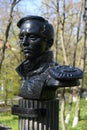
point(9, 120)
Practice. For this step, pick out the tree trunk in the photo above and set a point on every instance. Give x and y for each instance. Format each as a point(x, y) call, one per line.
point(13, 4)
point(57, 32)
point(77, 113)
point(65, 59)
point(63, 110)
point(69, 108)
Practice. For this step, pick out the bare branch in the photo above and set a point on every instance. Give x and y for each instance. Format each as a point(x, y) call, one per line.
point(13, 4)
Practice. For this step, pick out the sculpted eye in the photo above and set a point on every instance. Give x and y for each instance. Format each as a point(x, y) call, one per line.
point(34, 37)
point(21, 37)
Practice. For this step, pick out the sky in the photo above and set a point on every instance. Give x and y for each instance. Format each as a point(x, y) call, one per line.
point(29, 6)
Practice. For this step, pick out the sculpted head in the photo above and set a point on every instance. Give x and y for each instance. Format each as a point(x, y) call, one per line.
point(36, 36)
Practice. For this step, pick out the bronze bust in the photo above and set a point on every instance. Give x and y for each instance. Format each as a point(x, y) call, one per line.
point(41, 75)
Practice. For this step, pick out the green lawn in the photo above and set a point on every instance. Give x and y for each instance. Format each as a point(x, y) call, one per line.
point(9, 120)
point(82, 124)
point(12, 121)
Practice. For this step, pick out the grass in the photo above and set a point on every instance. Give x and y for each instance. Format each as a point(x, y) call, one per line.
point(82, 124)
point(9, 120)
point(12, 121)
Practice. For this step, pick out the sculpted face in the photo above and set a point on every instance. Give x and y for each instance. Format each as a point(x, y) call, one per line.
point(32, 41)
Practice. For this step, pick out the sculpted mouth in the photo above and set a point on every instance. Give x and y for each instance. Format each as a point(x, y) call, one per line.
point(27, 50)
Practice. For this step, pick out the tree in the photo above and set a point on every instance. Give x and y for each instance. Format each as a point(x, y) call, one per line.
point(69, 23)
point(8, 58)
point(13, 4)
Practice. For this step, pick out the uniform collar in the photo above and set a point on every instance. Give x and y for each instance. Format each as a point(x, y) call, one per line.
point(29, 67)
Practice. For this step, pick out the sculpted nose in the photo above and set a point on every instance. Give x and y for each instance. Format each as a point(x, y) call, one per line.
point(24, 41)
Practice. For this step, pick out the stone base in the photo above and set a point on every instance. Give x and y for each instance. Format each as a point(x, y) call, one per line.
point(37, 115)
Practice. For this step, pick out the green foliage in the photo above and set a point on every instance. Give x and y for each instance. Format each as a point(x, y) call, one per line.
point(9, 77)
point(85, 80)
point(82, 124)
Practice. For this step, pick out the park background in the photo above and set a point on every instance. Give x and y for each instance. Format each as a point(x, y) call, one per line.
point(70, 48)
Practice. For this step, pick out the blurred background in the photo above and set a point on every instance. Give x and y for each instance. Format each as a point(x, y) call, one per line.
point(69, 18)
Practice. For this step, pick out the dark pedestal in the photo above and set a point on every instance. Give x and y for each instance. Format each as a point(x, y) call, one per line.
point(37, 115)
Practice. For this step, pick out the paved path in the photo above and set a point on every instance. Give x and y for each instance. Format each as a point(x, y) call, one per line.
point(5, 109)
